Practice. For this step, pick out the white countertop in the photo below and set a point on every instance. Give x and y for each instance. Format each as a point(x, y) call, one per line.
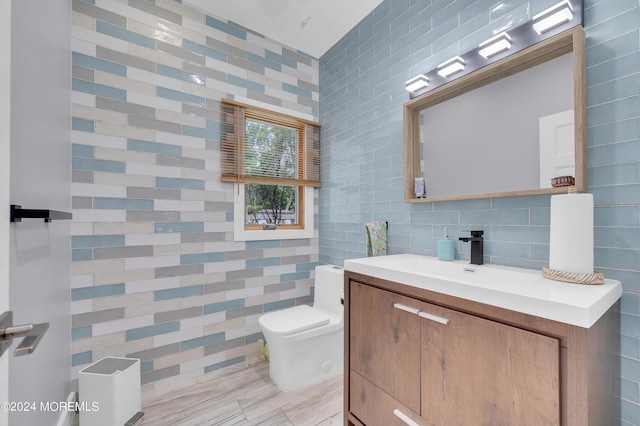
point(517, 289)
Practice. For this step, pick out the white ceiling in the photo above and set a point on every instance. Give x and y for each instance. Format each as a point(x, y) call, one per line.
point(312, 26)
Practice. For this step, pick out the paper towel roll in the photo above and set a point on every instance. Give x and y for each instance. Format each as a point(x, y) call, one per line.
point(571, 233)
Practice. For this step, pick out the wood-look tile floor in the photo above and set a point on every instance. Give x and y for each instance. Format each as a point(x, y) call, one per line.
point(245, 397)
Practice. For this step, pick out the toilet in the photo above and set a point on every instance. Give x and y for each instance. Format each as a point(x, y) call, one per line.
point(306, 344)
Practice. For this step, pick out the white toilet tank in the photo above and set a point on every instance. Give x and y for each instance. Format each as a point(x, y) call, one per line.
point(329, 290)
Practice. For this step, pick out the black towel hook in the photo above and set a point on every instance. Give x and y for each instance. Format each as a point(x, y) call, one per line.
point(18, 213)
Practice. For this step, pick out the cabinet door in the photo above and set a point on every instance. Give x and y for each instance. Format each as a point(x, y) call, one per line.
point(385, 342)
point(480, 372)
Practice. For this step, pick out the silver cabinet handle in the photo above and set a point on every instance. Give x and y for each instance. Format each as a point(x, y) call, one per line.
point(420, 313)
point(431, 317)
point(402, 416)
point(32, 334)
point(406, 308)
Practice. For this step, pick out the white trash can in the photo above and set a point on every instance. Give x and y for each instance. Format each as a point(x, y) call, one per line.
point(109, 392)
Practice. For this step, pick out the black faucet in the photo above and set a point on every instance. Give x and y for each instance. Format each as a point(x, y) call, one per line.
point(477, 251)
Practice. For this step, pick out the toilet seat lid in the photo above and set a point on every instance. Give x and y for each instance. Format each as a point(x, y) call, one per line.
point(293, 320)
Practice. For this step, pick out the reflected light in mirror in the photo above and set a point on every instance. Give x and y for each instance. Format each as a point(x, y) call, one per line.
point(552, 17)
point(417, 83)
point(496, 44)
point(450, 67)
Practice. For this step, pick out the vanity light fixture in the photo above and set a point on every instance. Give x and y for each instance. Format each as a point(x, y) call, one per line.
point(450, 67)
point(496, 44)
point(552, 17)
point(416, 83)
point(563, 15)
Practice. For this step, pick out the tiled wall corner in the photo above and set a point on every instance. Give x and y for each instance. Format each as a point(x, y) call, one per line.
point(155, 272)
point(362, 91)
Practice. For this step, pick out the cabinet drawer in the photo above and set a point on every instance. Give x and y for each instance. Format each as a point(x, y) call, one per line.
point(373, 406)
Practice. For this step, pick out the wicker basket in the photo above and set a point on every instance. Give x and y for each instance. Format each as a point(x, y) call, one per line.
point(560, 181)
point(572, 277)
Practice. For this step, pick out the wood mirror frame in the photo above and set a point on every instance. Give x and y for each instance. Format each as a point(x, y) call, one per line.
point(572, 40)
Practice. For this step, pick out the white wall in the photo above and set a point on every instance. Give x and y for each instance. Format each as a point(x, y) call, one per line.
point(5, 87)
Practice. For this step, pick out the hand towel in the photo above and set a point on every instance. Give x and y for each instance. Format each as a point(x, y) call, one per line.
point(376, 238)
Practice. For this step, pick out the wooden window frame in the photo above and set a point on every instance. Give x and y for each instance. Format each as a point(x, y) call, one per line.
point(234, 115)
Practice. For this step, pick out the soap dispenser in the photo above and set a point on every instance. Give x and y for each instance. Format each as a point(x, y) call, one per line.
point(446, 247)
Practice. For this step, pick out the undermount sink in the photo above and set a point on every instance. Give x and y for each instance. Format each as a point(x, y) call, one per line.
point(521, 290)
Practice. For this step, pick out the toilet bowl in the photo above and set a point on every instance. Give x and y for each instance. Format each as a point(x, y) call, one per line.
point(306, 343)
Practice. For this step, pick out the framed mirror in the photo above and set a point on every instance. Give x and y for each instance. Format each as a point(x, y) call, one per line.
point(503, 130)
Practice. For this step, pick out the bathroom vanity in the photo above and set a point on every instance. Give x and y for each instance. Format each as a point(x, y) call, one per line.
point(448, 343)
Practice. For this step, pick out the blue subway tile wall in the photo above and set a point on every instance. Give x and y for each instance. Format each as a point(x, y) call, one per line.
point(121, 33)
point(91, 164)
point(224, 306)
point(79, 255)
point(282, 304)
point(96, 291)
point(81, 358)
point(163, 182)
point(201, 341)
point(177, 293)
point(98, 64)
point(82, 125)
point(97, 89)
point(81, 332)
point(226, 27)
point(156, 273)
point(152, 330)
point(223, 364)
point(179, 96)
point(159, 148)
point(82, 151)
point(84, 241)
point(205, 50)
point(121, 203)
point(361, 96)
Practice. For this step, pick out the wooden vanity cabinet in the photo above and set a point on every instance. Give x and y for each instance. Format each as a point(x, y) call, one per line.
point(422, 358)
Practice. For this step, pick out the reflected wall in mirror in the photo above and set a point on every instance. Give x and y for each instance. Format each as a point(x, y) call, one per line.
point(479, 136)
point(488, 139)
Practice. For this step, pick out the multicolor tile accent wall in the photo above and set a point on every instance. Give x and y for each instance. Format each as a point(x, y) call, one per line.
point(155, 272)
point(362, 92)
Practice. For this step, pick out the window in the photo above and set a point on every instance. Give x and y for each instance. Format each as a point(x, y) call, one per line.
point(274, 159)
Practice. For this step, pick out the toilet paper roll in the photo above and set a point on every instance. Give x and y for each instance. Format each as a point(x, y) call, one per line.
point(571, 233)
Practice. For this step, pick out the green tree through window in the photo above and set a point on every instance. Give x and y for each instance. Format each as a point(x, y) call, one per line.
point(271, 150)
